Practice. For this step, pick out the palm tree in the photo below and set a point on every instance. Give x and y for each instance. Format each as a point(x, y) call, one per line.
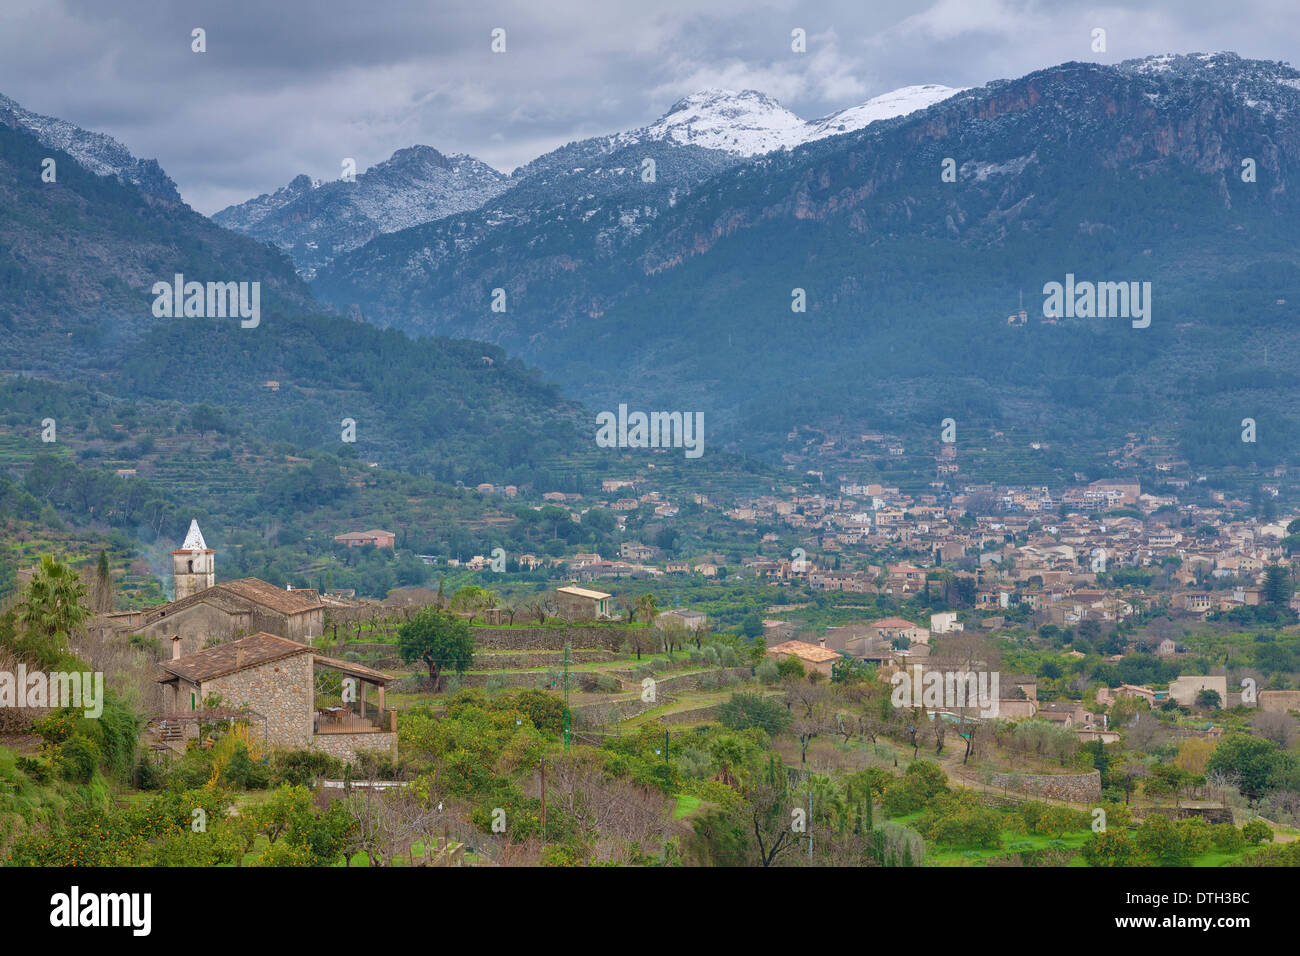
point(53, 606)
point(647, 605)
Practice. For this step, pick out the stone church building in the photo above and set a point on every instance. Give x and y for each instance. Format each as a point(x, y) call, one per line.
point(207, 612)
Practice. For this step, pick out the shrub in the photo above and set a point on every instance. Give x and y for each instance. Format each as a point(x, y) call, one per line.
point(1196, 835)
point(791, 668)
point(920, 783)
point(1257, 831)
point(1160, 842)
point(35, 768)
point(1227, 838)
point(79, 758)
point(606, 683)
point(546, 711)
point(1111, 847)
point(767, 671)
point(304, 768)
point(745, 710)
point(148, 775)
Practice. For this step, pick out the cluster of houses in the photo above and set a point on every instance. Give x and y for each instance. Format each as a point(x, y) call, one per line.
point(897, 645)
point(1026, 546)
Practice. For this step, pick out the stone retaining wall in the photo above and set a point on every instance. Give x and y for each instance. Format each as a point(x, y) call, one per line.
point(345, 746)
point(1074, 787)
point(554, 638)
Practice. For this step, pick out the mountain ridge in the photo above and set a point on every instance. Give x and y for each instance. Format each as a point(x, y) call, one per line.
point(99, 153)
point(314, 222)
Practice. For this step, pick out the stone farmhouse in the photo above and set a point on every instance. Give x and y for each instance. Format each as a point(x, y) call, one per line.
point(270, 681)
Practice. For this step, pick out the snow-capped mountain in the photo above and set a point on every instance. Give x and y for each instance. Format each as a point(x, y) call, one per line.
point(900, 102)
point(707, 131)
point(618, 287)
point(750, 123)
point(97, 152)
point(746, 123)
point(314, 221)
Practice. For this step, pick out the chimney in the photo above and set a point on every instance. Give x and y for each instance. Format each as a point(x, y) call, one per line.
point(176, 646)
point(239, 654)
point(821, 641)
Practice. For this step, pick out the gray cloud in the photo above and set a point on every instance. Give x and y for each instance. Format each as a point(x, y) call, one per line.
point(290, 86)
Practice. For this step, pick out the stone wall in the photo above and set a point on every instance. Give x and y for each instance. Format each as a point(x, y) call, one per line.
point(554, 638)
point(1279, 700)
point(1075, 787)
point(195, 625)
point(282, 691)
point(345, 746)
point(296, 627)
point(697, 715)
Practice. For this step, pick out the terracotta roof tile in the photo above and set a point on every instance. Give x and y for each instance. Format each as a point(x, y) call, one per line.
point(251, 651)
point(809, 652)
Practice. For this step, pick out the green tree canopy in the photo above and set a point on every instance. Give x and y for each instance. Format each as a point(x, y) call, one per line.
point(438, 638)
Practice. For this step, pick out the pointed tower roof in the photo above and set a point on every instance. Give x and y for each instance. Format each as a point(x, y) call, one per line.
point(194, 540)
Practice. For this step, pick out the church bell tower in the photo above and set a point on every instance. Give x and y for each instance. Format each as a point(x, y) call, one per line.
point(193, 566)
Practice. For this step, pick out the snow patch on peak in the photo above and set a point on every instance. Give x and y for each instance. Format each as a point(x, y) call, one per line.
point(900, 102)
point(100, 153)
point(750, 123)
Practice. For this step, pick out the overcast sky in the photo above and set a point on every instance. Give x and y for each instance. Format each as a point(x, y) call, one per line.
point(290, 87)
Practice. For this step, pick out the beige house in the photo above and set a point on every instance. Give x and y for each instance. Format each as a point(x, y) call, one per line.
point(892, 628)
point(1185, 689)
point(272, 680)
point(376, 537)
point(683, 618)
point(582, 604)
point(813, 657)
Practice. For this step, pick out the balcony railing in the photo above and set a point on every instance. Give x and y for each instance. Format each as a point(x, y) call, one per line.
point(350, 722)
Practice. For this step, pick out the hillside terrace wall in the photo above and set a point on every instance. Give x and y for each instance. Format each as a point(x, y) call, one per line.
point(1074, 787)
point(373, 652)
point(554, 638)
